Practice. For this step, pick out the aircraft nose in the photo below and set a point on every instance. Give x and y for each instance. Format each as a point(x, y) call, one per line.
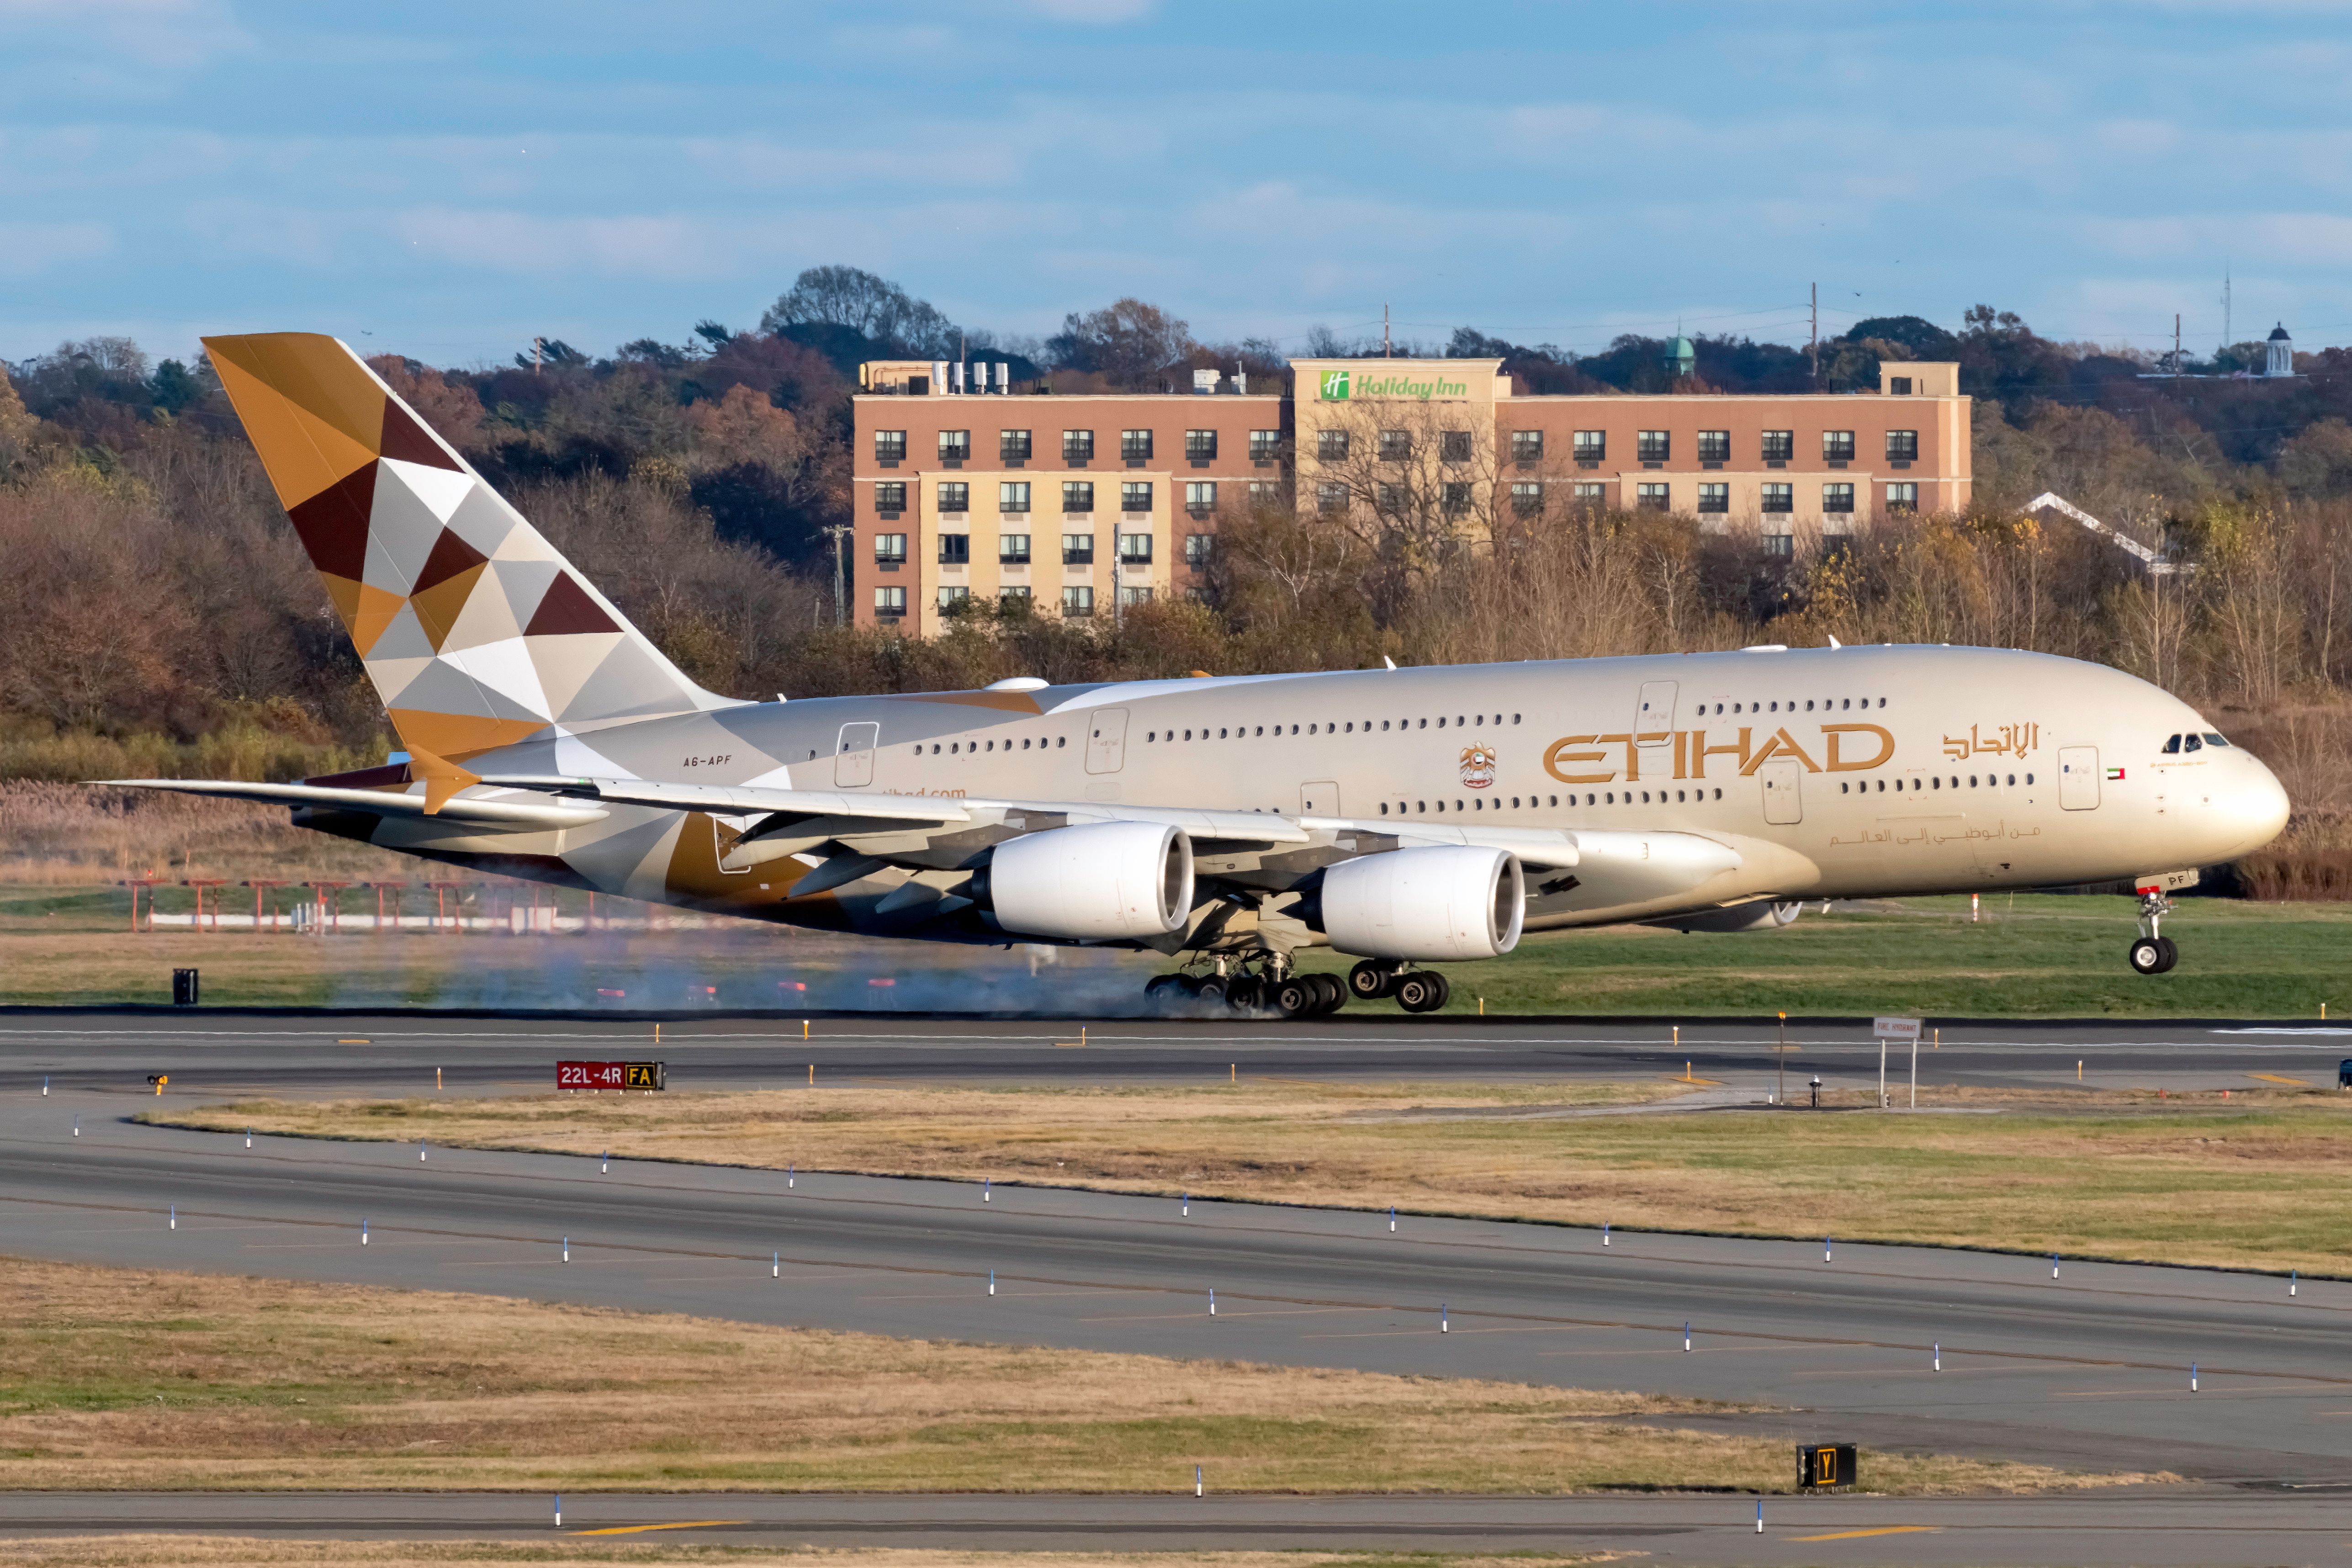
point(2257, 807)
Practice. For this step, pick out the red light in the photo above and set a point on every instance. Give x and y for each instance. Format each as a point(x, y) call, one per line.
point(884, 982)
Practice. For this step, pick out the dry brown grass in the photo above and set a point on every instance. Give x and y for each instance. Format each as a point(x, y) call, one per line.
point(169, 1551)
point(146, 1380)
point(2250, 1181)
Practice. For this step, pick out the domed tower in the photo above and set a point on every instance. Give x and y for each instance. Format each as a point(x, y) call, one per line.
point(2282, 352)
point(1681, 357)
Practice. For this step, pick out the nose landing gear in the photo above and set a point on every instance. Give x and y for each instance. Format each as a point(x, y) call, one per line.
point(2154, 952)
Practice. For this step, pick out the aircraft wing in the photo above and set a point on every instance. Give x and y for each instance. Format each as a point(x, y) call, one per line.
point(884, 812)
point(512, 815)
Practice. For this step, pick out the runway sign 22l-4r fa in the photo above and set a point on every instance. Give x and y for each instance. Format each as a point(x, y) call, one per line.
point(619, 1077)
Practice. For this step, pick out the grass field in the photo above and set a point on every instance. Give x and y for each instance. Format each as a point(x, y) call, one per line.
point(2036, 956)
point(2256, 1181)
point(115, 1378)
point(170, 1551)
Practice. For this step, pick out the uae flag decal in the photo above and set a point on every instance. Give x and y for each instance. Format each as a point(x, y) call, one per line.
point(2115, 773)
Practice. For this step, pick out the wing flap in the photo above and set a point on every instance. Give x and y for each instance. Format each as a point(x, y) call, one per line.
point(848, 812)
point(513, 815)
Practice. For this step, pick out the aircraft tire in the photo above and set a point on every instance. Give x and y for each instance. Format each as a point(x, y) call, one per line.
point(2148, 956)
point(1242, 991)
point(1444, 991)
point(1417, 991)
point(2171, 954)
point(1210, 988)
point(1369, 981)
point(1295, 997)
point(1330, 994)
point(1160, 984)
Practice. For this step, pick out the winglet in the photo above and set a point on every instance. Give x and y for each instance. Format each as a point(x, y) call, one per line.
point(442, 779)
point(1387, 660)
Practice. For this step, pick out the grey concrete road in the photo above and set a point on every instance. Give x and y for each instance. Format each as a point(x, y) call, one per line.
point(2091, 1370)
point(2133, 1528)
point(208, 1052)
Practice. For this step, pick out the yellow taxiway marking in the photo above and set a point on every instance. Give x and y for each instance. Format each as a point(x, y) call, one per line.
point(372, 1042)
point(1882, 1529)
point(2273, 1078)
point(682, 1524)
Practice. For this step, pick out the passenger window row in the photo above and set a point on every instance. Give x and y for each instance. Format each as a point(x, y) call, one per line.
point(1605, 797)
point(1991, 781)
point(1245, 732)
point(962, 748)
point(1829, 704)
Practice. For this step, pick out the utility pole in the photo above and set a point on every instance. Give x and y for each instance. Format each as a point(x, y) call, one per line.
point(1385, 353)
point(535, 345)
point(2175, 342)
point(2225, 305)
point(1813, 343)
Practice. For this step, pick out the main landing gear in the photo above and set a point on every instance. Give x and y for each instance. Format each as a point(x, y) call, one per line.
point(2154, 952)
point(1415, 990)
point(1257, 982)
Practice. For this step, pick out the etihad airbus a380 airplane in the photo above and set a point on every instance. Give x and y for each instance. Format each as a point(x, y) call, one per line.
point(1405, 816)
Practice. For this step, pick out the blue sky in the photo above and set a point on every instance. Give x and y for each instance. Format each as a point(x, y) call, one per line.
point(446, 180)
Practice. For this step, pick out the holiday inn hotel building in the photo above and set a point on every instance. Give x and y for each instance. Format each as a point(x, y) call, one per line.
point(1083, 505)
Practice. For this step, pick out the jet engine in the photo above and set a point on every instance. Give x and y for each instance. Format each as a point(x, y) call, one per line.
point(1756, 914)
point(1449, 901)
point(1097, 881)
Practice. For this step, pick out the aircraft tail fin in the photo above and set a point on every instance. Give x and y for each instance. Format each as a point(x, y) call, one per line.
point(476, 631)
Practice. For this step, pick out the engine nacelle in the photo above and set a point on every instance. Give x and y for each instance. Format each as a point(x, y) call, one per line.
point(1097, 881)
point(1756, 914)
point(1448, 901)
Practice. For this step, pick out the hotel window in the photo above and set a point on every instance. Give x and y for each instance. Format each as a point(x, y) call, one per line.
point(1779, 446)
point(1128, 595)
point(1779, 498)
point(1652, 445)
point(1903, 445)
point(1331, 446)
point(1077, 550)
point(1135, 444)
point(1589, 496)
point(1837, 498)
point(1592, 446)
point(1714, 446)
point(1837, 446)
point(1900, 385)
point(1903, 498)
point(1200, 445)
point(1265, 492)
point(1200, 496)
point(955, 496)
point(953, 599)
point(890, 496)
point(1266, 446)
point(1714, 499)
point(1014, 600)
point(1135, 496)
point(1013, 495)
point(1652, 497)
point(1077, 603)
point(1780, 544)
point(890, 548)
point(955, 446)
point(1012, 548)
point(1526, 497)
point(955, 548)
point(889, 601)
point(890, 445)
point(1331, 497)
point(1135, 550)
point(1012, 446)
point(1454, 498)
point(1078, 495)
point(1454, 446)
point(1396, 446)
point(1077, 445)
point(1199, 548)
point(1527, 446)
point(1387, 497)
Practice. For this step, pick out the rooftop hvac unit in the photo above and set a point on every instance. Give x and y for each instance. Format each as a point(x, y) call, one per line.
point(1204, 381)
point(939, 375)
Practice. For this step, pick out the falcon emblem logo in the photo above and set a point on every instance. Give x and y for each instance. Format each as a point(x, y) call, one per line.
point(1477, 767)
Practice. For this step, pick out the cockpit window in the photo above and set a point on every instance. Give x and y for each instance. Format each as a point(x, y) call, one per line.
point(2191, 744)
point(2172, 746)
point(2213, 739)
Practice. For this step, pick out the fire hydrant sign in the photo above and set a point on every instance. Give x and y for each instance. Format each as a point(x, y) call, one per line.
point(618, 1076)
point(1896, 1028)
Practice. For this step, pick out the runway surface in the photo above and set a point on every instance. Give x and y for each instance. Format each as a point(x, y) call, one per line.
point(2136, 1527)
point(2090, 1371)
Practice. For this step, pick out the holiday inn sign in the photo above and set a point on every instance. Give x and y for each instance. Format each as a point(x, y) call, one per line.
point(1342, 387)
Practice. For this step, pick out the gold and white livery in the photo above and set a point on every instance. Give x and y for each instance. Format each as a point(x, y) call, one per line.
point(1408, 817)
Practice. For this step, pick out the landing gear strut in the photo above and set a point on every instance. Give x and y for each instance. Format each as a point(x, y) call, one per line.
point(2154, 952)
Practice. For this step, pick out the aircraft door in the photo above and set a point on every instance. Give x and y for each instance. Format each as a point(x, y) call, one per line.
point(1107, 741)
point(852, 755)
point(1320, 798)
point(1653, 718)
point(2078, 778)
point(1783, 782)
